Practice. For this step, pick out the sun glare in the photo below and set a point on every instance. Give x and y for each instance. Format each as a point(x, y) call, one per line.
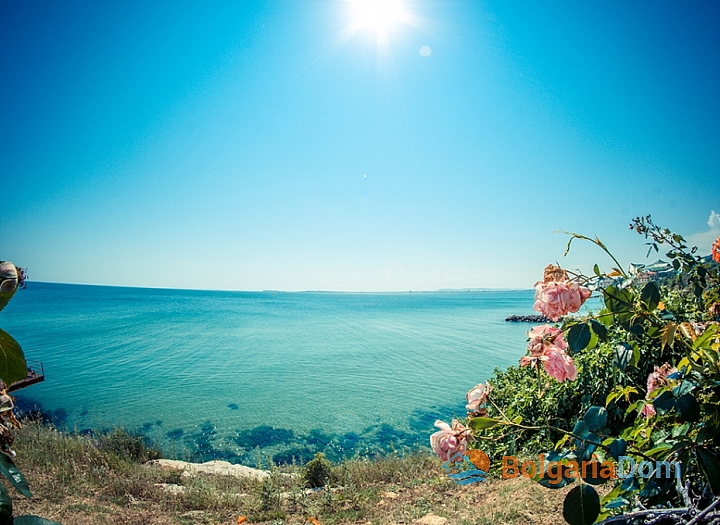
point(378, 19)
point(378, 15)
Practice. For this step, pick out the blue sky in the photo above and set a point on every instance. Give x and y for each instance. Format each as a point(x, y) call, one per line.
point(292, 145)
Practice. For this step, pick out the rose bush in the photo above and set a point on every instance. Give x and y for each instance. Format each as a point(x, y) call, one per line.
point(638, 379)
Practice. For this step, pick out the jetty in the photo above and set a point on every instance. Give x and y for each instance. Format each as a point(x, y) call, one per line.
point(35, 374)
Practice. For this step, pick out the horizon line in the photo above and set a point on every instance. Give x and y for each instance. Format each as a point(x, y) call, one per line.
point(271, 290)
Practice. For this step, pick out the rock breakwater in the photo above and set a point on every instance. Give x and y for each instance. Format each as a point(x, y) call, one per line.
point(527, 319)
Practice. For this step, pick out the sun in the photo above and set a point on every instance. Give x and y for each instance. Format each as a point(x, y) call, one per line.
point(377, 15)
point(381, 20)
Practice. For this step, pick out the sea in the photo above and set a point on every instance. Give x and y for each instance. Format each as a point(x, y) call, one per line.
point(261, 377)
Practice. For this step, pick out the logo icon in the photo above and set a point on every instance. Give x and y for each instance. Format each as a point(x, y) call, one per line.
point(465, 469)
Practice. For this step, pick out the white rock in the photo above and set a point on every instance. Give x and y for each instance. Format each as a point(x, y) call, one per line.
point(222, 468)
point(431, 519)
point(171, 488)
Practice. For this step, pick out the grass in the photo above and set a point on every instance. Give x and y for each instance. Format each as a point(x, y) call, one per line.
point(105, 480)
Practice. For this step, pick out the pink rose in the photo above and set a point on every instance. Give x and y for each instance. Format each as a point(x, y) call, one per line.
point(543, 336)
point(655, 380)
point(547, 346)
point(477, 396)
point(526, 360)
point(558, 365)
point(716, 250)
point(658, 377)
point(570, 368)
point(648, 410)
point(558, 298)
point(448, 441)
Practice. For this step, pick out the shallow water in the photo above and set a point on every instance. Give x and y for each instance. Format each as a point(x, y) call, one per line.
point(209, 374)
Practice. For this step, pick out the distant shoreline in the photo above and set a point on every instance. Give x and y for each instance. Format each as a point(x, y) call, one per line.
point(383, 292)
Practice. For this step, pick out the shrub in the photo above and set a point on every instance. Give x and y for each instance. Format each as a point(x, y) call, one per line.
point(129, 446)
point(317, 471)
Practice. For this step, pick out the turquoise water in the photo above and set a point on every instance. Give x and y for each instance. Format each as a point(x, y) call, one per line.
point(218, 374)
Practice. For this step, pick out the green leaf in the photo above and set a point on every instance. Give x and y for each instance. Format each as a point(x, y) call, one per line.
point(617, 300)
point(482, 423)
point(593, 341)
point(708, 433)
point(664, 402)
point(650, 295)
point(688, 408)
point(637, 405)
point(636, 354)
point(578, 337)
point(11, 472)
point(581, 430)
point(581, 506)
point(680, 430)
point(666, 315)
point(710, 468)
point(558, 479)
point(596, 269)
point(5, 298)
point(659, 435)
point(659, 450)
point(5, 506)
point(592, 472)
point(612, 396)
point(618, 448)
point(617, 503)
point(551, 483)
point(697, 290)
point(33, 520)
point(606, 317)
point(596, 418)
point(555, 479)
point(12, 360)
point(685, 387)
point(599, 329)
point(707, 338)
point(635, 329)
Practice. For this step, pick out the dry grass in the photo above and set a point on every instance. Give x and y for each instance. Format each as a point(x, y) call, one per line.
point(77, 481)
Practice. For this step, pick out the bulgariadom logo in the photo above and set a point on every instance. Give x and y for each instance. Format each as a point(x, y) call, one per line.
point(473, 467)
point(465, 469)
